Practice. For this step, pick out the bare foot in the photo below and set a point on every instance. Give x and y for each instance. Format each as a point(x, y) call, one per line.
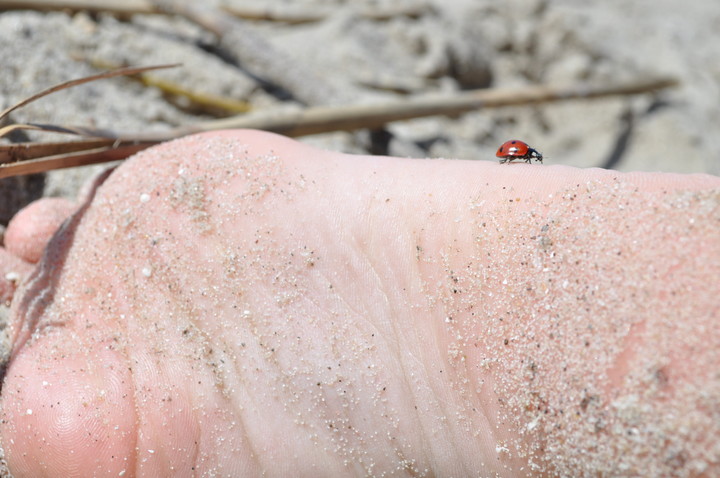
point(237, 303)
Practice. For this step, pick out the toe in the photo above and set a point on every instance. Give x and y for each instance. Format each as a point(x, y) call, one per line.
point(30, 230)
point(67, 411)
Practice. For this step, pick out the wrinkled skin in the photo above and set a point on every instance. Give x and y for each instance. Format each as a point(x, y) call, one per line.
point(238, 303)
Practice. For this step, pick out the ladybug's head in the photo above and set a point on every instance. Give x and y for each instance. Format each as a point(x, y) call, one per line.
point(535, 154)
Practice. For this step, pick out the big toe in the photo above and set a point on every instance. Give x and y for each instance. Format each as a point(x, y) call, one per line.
point(67, 410)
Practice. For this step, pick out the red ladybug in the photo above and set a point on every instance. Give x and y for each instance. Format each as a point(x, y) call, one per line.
point(516, 149)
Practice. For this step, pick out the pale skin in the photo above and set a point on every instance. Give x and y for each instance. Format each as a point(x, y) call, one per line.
point(238, 304)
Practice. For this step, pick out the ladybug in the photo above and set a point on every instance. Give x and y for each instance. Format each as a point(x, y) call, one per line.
point(516, 149)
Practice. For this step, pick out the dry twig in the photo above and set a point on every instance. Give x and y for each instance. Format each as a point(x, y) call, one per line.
point(289, 13)
point(285, 13)
point(117, 7)
point(324, 119)
point(70, 160)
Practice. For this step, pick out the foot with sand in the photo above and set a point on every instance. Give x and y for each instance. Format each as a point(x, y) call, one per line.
point(237, 303)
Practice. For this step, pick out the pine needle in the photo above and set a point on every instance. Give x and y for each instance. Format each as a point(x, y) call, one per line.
point(80, 81)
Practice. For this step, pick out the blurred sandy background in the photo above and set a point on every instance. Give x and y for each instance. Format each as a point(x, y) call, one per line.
point(435, 45)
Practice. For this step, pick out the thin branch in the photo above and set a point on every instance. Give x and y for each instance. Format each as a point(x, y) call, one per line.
point(117, 7)
point(285, 13)
point(348, 118)
point(23, 151)
point(295, 14)
point(83, 158)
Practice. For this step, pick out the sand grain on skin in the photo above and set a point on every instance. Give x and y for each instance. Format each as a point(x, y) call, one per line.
point(590, 365)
